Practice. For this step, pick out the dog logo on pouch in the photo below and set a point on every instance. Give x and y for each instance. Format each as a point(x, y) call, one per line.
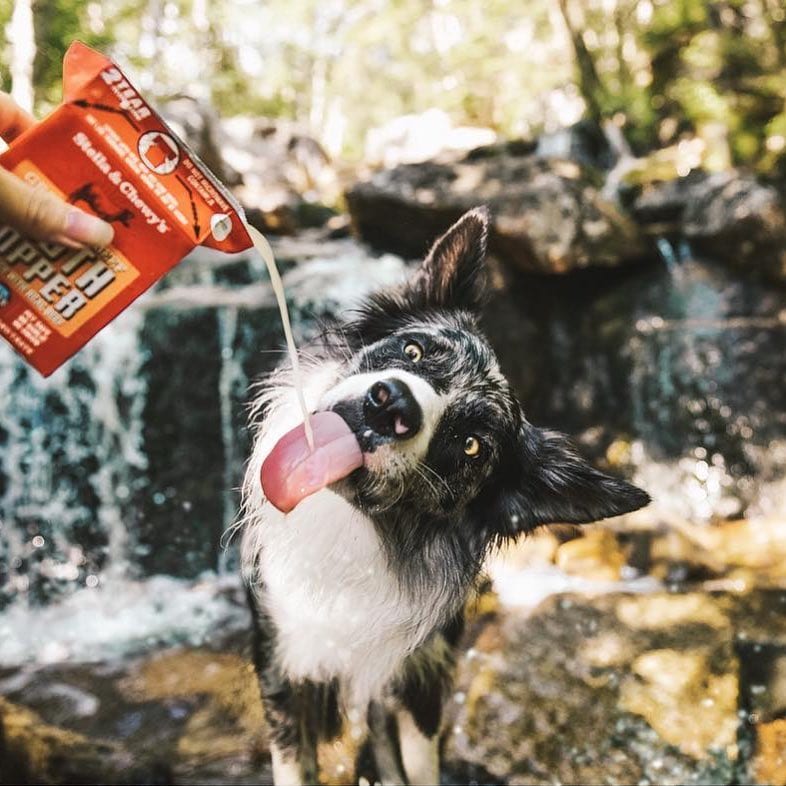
point(5, 295)
point(159, 152)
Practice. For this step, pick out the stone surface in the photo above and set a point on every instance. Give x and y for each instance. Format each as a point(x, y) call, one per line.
point(547, 214)
point(730, 216)
point(596, 556)
point(618, 688)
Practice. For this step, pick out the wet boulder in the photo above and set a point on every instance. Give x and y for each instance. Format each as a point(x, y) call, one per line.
point(622, 688)
point(584, 688)
point(549, 215)
point(730, 216)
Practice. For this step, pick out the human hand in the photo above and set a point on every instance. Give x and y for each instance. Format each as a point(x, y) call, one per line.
point(33, 210)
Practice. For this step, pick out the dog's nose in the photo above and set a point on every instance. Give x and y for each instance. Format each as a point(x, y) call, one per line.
point(391, 409)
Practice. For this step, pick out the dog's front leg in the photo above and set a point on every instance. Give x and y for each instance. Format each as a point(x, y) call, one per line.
point(382, 735)
point(293, 734)
point(419, 752)
point(289, 709)
point(289, 769)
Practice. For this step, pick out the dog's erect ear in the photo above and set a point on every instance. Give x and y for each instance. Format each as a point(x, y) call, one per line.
point(553, 485)
point(452, 275)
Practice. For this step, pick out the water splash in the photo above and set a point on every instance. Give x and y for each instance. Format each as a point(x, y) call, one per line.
point(72, 449)
point(231, 380)
point(669, 256)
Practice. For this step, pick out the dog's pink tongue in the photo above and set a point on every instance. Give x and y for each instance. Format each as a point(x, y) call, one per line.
point(292, 472)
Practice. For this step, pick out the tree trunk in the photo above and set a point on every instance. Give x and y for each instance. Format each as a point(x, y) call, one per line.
point(21, 34)
point(591, 87)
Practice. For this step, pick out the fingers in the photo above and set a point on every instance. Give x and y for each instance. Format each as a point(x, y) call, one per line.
point(36, 212)
point(13, 119)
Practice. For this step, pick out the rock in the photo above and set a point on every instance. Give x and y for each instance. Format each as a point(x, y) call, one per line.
point(616, 688)
point(584, 142)
point(769, 764)
point(415, 138)
point(548, 214)
point(670, 683)
point(750, 552)
point(596, 556)
point(33, 751)
point(665, 687)
point(729, 215)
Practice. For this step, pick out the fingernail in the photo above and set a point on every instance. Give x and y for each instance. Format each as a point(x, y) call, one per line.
point(87, 229)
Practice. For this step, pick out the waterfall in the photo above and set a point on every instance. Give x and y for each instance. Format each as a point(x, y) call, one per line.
point(71, 453)
point(231, 380)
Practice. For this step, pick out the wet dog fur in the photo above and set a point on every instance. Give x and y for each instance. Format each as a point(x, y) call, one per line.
point(358, 594)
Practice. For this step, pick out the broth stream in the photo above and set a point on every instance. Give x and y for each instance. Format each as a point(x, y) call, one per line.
point(264, 250)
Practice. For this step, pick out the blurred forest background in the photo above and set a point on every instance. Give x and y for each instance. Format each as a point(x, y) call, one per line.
point(661, 70)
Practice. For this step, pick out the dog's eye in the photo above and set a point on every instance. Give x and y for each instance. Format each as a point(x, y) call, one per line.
point(413, 351)
point(472, 446)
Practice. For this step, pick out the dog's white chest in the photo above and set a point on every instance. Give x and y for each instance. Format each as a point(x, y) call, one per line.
point(337, 608)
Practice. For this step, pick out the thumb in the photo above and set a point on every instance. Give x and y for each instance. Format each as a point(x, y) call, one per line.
point(36, 212)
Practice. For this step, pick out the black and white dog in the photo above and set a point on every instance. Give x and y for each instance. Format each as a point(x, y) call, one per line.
point(358, 593)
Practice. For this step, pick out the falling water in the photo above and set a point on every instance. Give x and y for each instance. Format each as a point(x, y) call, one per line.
point(231, 378)
point(669, 256)
point(72, 452)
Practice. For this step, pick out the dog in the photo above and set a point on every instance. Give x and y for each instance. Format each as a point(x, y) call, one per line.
point(358, 593)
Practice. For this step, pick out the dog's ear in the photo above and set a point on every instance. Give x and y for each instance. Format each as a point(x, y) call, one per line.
point(552, 484)
point(453, 275)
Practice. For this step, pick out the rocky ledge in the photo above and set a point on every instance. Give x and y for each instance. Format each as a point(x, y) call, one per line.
point(557, 214)
point(548, 214)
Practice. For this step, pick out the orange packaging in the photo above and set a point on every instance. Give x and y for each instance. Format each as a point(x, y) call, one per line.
point(107, 152)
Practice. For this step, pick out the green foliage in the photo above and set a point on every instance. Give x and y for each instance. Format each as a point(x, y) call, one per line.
point(664, 69)
point(5, 17)
point(57, 23)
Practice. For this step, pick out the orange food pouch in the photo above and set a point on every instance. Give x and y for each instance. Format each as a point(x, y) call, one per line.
point(107, 152)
